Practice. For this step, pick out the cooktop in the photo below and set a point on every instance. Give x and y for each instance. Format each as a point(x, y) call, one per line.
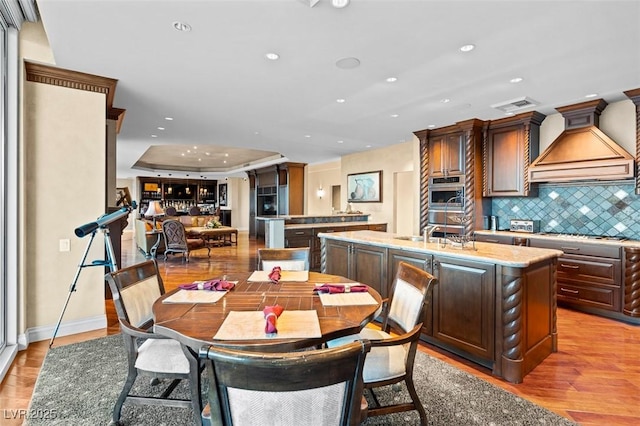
point(582, 236)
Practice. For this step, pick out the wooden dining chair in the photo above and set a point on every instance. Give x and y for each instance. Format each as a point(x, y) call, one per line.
point(394, 346)
point(134, 291)
point(289, 259)
point(176, 240)
point(314, 388)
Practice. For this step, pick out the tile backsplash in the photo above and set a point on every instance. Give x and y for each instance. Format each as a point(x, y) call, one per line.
point(597, 208)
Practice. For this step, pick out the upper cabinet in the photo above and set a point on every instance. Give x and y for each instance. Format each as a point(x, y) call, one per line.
point(446, 152)
point(509, 146)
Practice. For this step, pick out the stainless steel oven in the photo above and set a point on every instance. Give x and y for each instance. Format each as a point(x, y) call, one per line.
point(446, 193)
point(445, 222)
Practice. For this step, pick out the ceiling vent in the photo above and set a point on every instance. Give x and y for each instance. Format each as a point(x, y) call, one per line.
point(515, 104)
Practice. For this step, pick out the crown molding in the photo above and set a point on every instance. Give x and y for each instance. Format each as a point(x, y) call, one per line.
point(47, 74)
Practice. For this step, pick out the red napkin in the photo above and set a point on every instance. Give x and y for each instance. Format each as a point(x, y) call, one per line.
point(274, 275)
point(341, 288)
point(271, 314)
point(213, 285)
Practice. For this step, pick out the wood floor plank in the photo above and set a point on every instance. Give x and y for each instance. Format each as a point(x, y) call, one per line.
point(594, 378)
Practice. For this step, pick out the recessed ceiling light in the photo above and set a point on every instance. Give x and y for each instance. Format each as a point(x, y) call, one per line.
point(182, 26)
point(160, 128)
point(224, 161)
point(169, 118)
point(307, 136)
point(591, 95)
point(339, 4)
point(154, 136)
point(445, 100)
point(516, 80)
point(272, 56)
point(508, 113)
point(392, 79)
point(199, 159)
point(348, 63)
point(341, 101)
point(182, 154)
point(467, 48)
point(340, 141)
point(206, 153)
point(367, 146)
point(431, 126)
point(226, 154)
point(394, 115)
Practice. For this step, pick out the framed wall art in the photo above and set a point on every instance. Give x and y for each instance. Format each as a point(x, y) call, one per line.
point(222, 194)
point(364, 187)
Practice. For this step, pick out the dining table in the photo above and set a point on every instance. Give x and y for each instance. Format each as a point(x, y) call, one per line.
point(196, 322)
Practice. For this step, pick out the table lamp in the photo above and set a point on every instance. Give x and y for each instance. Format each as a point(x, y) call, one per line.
point(153, 211)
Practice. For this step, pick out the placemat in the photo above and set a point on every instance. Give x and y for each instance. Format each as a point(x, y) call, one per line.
point(249, 325)
point(195, 296)
point(347, 299)
point(284, 276)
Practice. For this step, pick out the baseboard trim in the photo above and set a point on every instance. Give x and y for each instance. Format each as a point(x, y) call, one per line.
point(37, 334)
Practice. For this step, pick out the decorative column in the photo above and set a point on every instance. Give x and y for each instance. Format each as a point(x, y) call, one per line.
point(634, 95)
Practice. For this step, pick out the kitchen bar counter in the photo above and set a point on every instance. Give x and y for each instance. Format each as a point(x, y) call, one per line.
point(494, 305)
point(513, 256)
point(556, 237)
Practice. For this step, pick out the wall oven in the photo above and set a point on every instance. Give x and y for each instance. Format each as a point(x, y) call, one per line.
point(446, 192)
point(446, 202)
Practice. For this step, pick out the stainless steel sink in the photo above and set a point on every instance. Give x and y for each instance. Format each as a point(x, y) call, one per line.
point(409, 238)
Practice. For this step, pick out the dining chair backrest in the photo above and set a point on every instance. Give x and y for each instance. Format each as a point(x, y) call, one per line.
point(317, 387)
point(289, 259)
point(134, 290)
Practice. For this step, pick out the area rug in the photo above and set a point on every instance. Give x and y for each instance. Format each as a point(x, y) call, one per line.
point(79, 383)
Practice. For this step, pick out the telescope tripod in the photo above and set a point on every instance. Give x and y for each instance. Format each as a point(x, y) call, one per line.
point(110, 262)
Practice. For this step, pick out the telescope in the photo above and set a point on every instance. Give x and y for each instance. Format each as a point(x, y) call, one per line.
point(84, 230)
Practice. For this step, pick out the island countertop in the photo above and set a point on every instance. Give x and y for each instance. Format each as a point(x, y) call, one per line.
point(498, 254)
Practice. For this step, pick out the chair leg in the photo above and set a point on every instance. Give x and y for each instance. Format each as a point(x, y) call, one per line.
point(416, 400)
point(128, 384)
point(195, 386)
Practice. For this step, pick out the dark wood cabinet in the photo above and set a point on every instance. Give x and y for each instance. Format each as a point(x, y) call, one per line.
point(496, 239)
point(510, 145)
point(589, 275)
point(464, 306)
point(446, 153)
point(360, 262)
point(298, 238)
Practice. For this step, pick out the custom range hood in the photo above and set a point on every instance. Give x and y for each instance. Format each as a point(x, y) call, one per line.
point(582, 151)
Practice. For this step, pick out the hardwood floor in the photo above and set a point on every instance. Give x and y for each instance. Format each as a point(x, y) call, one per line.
point(594, 378)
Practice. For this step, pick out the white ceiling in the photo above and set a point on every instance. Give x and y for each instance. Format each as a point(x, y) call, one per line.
point(224, 95)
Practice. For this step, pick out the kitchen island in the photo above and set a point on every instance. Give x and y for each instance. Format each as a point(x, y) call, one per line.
point(302, 230)
point(493, 304)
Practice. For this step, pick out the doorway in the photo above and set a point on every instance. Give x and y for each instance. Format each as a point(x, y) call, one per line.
point(403, 209)
point(335, 198)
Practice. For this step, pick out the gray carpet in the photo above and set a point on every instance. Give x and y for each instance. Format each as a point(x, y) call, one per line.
point(82, 381)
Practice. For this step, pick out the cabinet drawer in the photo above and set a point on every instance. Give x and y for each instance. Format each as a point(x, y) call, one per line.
point(381, 228)
point(301, 232)
point(597, 297)
point(575, 247)
point(496, 239)
point(328, 229)
point(590, 270)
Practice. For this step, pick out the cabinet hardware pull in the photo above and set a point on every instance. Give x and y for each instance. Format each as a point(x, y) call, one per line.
point(300, 233)
point(492, 241)
point(570, 248)
point(567, 290)
point(569, 266)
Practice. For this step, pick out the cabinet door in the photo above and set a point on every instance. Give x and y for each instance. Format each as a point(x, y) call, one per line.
point(454, 154)
point(337, 258)
point(369, 266)
point(463, 305)
point(506, 161)
point(446, 155)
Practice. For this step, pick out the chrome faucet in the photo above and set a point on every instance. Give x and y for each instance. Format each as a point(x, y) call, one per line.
point(428, 232)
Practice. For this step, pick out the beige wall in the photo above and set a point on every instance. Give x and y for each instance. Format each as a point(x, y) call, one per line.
point(323, 175)
point(63, 138)
point(616, 121)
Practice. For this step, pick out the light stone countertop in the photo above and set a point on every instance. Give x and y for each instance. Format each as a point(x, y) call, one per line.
point(330, 224)
point(499, 254)
point(625, 243)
